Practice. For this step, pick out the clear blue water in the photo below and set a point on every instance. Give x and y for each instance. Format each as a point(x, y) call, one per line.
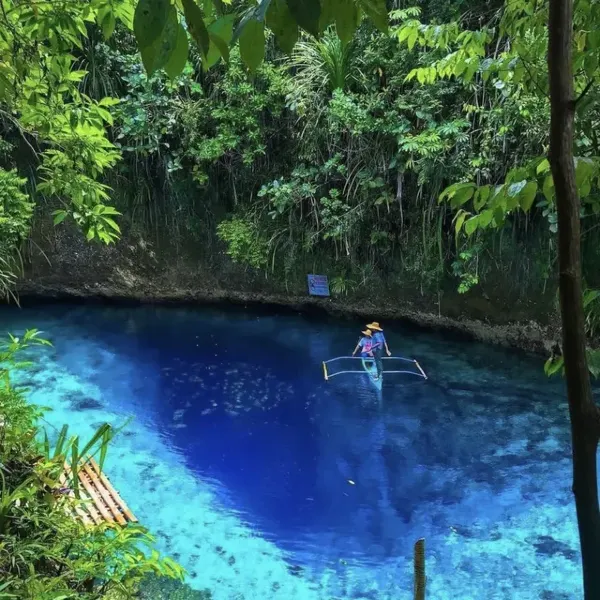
point(265, 481)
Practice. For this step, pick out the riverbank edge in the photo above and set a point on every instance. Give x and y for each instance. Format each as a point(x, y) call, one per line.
point(529, 336)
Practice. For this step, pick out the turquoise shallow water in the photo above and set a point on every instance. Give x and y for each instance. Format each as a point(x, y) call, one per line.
point(265, 481)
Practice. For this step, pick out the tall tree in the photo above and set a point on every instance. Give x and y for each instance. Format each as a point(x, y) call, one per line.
point(584, 414)
point(572, 61)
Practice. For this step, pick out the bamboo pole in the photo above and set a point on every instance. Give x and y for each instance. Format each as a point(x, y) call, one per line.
point(419, 565)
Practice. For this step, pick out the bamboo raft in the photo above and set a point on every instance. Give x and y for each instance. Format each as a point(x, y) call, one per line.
point(101, 502)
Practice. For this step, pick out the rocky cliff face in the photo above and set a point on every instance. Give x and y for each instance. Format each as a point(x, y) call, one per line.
point(59, 263)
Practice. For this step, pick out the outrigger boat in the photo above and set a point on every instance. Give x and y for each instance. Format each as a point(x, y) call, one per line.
point(368, 367)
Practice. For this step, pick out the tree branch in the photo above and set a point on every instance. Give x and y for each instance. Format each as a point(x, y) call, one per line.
point(586, 89)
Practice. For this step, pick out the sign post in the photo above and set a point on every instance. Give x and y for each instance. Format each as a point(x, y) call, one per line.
point(318, 285)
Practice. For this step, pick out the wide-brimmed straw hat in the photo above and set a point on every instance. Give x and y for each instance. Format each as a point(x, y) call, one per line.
point(367, 332)
point(375, 326)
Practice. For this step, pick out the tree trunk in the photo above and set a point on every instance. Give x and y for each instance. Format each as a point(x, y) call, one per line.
point(582, 409)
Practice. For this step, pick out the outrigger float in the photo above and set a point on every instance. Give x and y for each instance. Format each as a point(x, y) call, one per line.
point(368, 367)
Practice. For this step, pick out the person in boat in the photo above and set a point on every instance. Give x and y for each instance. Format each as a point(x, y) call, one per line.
point(379, 343)
point(365, 345)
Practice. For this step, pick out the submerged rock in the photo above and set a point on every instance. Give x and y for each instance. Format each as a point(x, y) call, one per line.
point(295, 570)
point(163, 588)
point(84, 403)
point(546, 545)
point(550, 595)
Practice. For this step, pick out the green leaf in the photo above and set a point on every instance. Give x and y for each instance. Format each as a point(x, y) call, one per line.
point(149, 20)
point(261, 10)
point(327, 16)
point(471, 225)
point(345, 13)
point(593, 39)
point(585, 168)
point(281, 22)
point(527, 195)
point(412, 38)
point(196, 26)
point(307, 14)
point(59, 216)
point(543, 167)
point(157, 55)
point(221, 46)
point(462, 194)
point(481, 197)
point(252, 44)
point(221, 34)
point(108, 24)
point(589, 296)
point(591, 64)
point(376, 10)
point(499, 216)
point(179, 56)
point(485, 218)
point(208, 7)
point(108, 101)
point(460, 219)
point(553, 365)
point(548, 188)
point(593, 357)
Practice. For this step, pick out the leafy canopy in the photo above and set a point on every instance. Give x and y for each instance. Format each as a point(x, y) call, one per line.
point(160, 26)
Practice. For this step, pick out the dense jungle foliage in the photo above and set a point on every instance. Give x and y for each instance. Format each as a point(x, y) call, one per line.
point(403, 150)
point(331, 159)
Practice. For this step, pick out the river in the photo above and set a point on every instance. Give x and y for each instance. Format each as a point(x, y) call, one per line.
point(266, 481)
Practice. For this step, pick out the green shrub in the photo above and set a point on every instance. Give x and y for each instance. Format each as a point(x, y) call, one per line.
point(244, 242)
point(44, 552)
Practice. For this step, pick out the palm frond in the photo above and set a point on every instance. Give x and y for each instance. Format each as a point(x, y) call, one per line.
point(323, 66)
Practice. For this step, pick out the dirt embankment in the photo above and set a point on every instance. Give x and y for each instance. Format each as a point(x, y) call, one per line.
point(60, 264)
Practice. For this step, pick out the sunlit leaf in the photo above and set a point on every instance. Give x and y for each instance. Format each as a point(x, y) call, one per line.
point(543, 167)
point(553, 365)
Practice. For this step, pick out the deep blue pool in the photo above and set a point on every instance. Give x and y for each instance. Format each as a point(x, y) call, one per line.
point(265, 481)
